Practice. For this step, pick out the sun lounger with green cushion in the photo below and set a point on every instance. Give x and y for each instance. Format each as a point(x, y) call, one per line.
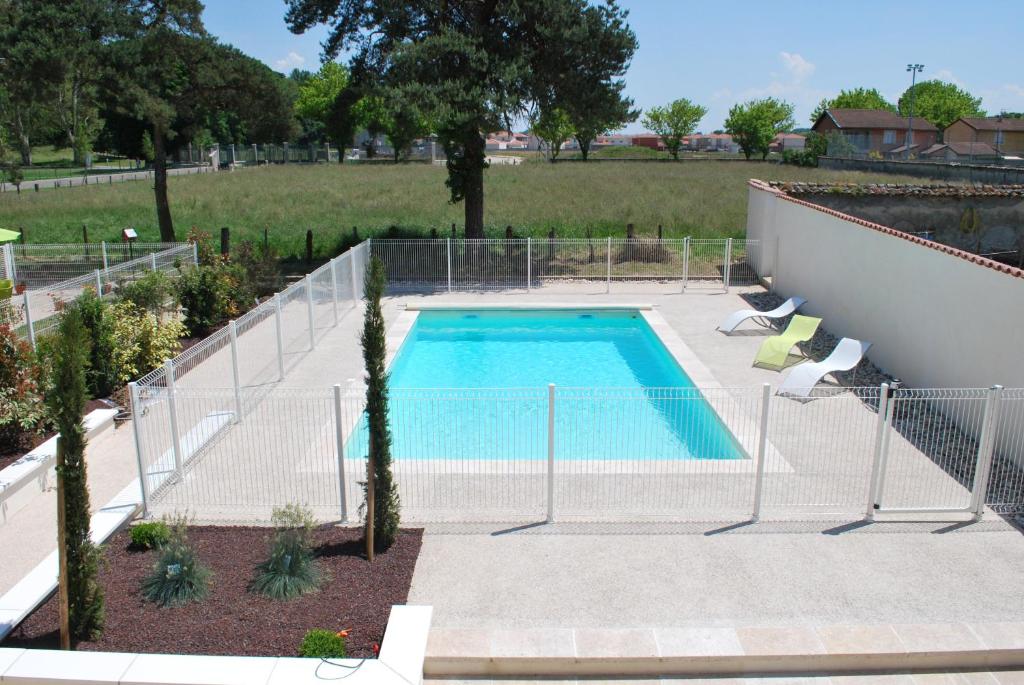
point(775, 350)
point(6, 288)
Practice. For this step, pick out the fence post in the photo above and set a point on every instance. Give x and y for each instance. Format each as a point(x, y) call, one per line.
point(280, 337)
point(152, 260)
point(9, 262)
point(234, 370)
point(99, 283)
point(883, 463)
point(762, 443)
point(172, 408)
point(309, 310)
point(352, 268)
point(28, 322)
point(529, 263)
point(103, 249)
point(608, 278)
point(727, 266)
point(334, 289)
point(449, 243)
point(551, 453)
point(986, 450)
point(876, 462)
point(686, 261)
point(339, 446)
point(133, 393)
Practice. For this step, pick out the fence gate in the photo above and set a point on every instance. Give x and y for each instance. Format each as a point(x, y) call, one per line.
point(928, 459)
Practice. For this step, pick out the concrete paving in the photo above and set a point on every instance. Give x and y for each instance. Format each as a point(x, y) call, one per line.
point(934, 678)
point(30, 534)
point(571, 575)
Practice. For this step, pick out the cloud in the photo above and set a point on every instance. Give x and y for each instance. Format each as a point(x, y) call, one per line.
point(949, 77)
point(798, 67)
point(292, 61)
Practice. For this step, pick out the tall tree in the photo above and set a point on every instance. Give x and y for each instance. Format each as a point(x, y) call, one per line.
point(855, 98)
point(554, 127)
point(471, 66)
point(318, 101)
point(403, 124)
point(169, 78)
point(673, 122)
point(66, 404)
point(382, 501)
point(940, 103)
point(30, 60)
point(754, 124)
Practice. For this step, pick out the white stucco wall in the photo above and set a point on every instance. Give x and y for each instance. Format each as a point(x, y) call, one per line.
point(937, 320)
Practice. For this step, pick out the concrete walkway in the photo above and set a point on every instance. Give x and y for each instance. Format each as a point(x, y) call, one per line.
point(96, 179)
point(30, 535)
point(937, 678)
point(800, 574)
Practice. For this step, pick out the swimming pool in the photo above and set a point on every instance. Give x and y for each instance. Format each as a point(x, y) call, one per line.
point(473, 384)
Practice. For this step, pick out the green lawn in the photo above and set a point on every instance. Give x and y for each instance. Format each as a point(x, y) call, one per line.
point(704, 199)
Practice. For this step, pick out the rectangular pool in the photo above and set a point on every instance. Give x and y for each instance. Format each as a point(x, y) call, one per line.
point(473, 384)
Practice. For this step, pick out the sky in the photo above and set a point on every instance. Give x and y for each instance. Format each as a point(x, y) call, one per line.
point(720, 53)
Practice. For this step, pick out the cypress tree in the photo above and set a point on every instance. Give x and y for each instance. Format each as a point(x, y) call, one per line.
point(66, 404)
point(384, 504)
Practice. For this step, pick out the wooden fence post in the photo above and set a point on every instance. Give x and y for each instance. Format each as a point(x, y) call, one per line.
point(225, 241)
point(309, 246)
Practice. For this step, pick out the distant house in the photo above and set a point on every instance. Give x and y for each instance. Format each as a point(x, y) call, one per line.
point(613, 140)
point(1005, 136)
point(954, 152)
point(648, 140)
point(710, 142)
point(876, 130)
point(507, 140)
point(787, 141)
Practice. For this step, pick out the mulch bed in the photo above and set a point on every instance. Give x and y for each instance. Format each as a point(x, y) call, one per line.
point(357, 595)
point(29, 441)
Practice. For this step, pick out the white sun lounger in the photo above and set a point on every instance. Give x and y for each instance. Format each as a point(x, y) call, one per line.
point(783, 310)
point(802, 379)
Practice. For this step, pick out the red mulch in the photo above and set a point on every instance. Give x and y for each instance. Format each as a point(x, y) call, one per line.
point(356, 595)
point(29, 441)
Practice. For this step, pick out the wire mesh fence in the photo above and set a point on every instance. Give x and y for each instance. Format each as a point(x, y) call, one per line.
point(524, 263)
point(581, 453)
point(43, 265)
point(34, 312)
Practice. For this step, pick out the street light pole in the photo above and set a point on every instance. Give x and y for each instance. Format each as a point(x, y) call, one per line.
point(914, 69)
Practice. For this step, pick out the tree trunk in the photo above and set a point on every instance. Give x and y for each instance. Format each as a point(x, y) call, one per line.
point(163, 207)
point(24, 146)
point(474, 185)
point(584, 150)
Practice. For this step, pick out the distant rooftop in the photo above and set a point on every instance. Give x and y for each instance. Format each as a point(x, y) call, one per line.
point(873, 118)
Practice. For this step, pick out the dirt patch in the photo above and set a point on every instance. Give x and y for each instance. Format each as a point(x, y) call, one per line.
point(357, 596)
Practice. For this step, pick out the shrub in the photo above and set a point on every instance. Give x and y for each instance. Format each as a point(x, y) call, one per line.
point(177, 577)
point(323, 644)
point(144, 342)
point(150, 535)
point(101, 374)
point(805, 158)
point(261, 265)
point(291, 570)
point(151, 293)
point(211, 294)
point(21, 397)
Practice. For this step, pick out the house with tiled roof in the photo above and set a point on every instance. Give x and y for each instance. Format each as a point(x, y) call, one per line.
point(1002, 134)
point(959, 152)
point(876, 130)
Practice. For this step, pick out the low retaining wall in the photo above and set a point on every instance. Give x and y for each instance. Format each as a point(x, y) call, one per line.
point(971, 173)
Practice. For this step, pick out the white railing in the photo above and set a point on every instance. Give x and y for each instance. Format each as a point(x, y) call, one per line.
point(34, 312)
point(448, 264)
point(39, 265)
point(582, 453)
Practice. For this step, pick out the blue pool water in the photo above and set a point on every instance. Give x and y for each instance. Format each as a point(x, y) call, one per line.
point(619, 393)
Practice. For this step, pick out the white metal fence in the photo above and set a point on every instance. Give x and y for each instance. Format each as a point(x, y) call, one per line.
point(448, 264)
point(34, 312)
point(580, 453)
point(39, 265)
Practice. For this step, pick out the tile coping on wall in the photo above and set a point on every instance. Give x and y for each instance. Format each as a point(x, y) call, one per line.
point(400, 663)
point(36, 465)
point(697, 650)
point(952, 251)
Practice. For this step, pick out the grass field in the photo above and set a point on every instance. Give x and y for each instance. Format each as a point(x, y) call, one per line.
point(702, 199)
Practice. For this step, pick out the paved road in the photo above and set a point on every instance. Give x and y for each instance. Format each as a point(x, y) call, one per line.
point(98, 179)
